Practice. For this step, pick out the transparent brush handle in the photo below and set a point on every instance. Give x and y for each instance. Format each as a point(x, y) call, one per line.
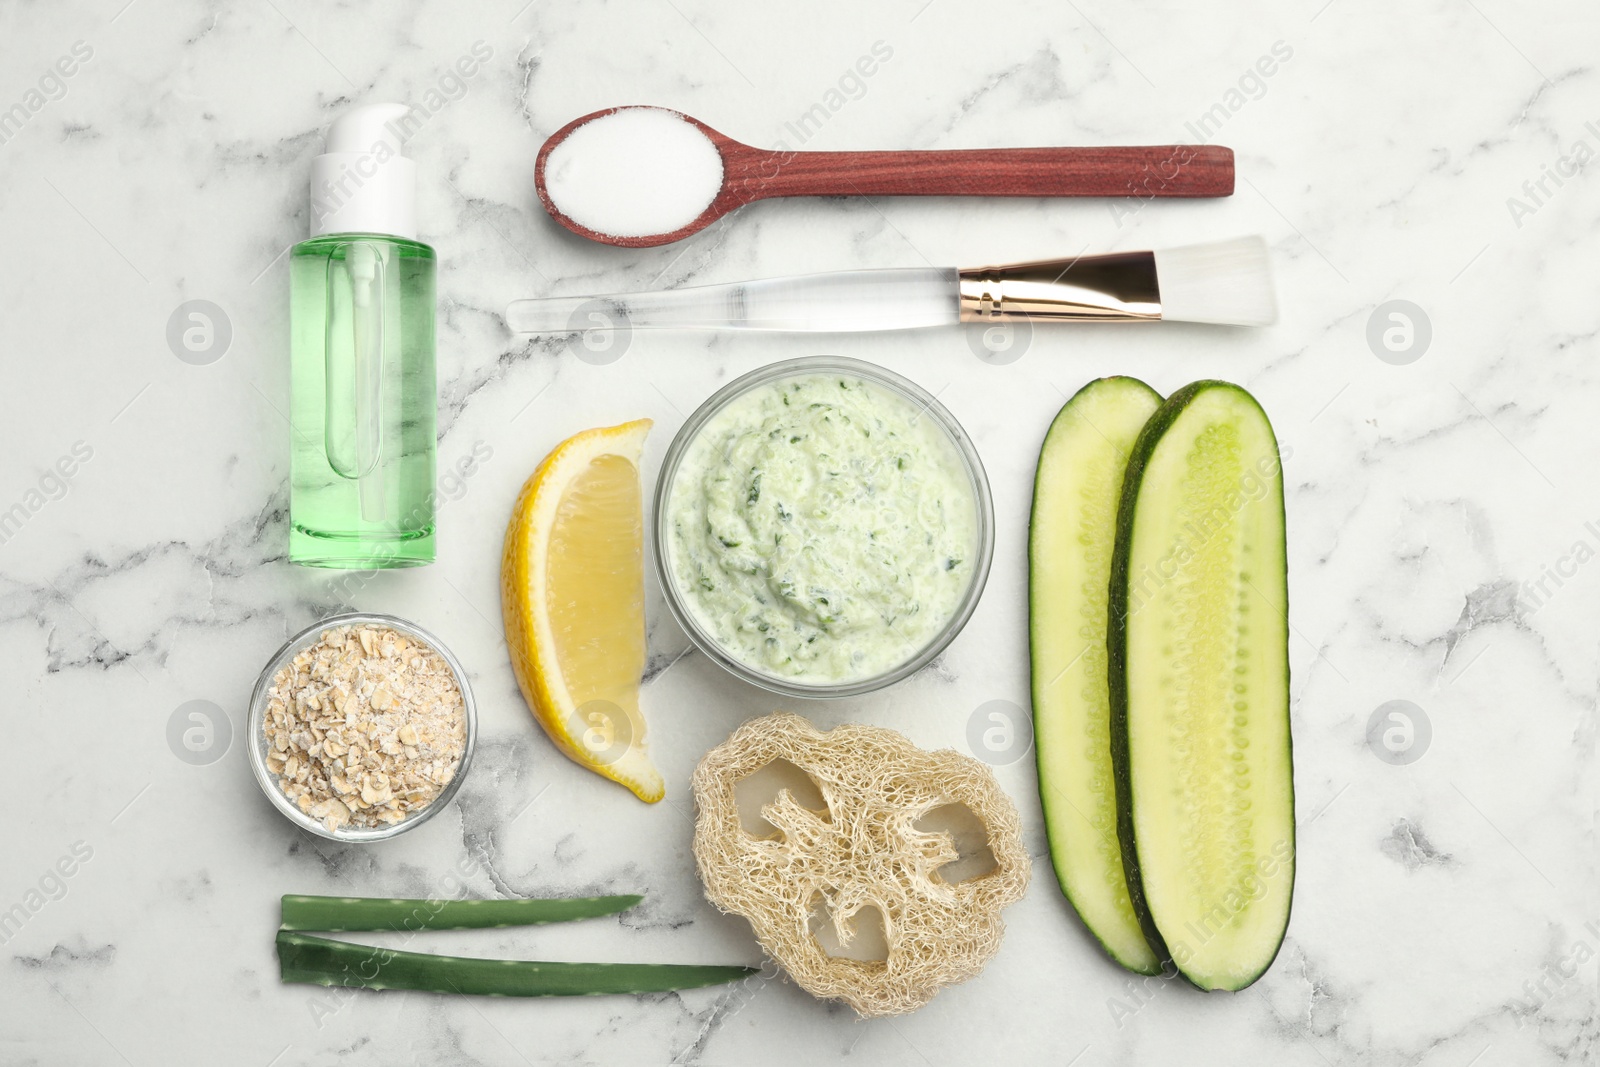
point(842, 302)
point(353, 419)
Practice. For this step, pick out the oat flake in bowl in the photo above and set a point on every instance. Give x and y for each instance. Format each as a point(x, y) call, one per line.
point(364, 727)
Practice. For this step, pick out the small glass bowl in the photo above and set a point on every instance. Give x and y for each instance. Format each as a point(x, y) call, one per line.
point(983, 507)
point(258, 742)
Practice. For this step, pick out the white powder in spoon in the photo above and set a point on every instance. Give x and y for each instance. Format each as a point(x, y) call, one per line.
point(636, 172)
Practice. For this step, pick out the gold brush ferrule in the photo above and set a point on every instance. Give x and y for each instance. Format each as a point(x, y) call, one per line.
point(1116, 287)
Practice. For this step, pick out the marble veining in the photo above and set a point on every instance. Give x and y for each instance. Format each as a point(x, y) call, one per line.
point(1443, 516)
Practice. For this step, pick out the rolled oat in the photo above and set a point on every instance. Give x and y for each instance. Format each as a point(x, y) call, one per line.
point(364, 727)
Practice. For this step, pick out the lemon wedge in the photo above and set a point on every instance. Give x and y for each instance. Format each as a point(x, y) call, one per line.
point(572, 589)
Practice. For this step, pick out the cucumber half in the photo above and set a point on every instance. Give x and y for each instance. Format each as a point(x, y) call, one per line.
point(1199, 679)
point(1070, 542)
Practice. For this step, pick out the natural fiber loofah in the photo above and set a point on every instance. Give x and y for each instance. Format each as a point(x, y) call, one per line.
point(865, 851)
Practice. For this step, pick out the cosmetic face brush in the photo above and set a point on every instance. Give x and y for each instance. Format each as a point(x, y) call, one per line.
point(1228, 283)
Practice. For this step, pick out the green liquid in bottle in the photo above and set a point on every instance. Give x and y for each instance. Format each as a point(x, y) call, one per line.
point(362, 402)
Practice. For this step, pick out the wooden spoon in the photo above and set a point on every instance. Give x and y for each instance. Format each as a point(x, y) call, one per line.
point(750, 173)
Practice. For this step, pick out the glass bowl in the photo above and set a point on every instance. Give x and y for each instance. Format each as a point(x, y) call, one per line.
point(983, 510)
point(258, 746)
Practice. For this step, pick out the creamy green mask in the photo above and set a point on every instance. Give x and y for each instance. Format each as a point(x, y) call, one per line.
point(822, 528)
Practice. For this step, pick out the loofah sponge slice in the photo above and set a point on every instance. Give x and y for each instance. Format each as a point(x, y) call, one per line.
point(864, 851)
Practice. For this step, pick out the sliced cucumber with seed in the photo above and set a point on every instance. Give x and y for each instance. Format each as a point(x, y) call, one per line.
point(1199, 682)
point(1070, 540)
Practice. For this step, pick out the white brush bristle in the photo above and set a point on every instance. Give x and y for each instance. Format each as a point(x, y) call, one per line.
point(1228, 283)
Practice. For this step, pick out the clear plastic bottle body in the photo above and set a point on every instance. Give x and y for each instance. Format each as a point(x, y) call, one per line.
point(363, 401)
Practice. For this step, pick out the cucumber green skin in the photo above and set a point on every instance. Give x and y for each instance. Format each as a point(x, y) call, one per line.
point(1065, 877)
point(1117, 657)
point(387, 913)
point(323, 961)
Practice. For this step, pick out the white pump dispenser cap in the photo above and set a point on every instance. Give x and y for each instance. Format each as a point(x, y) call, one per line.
point(362, 183)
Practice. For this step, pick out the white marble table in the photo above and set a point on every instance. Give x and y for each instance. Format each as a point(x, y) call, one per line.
point(1443, 511)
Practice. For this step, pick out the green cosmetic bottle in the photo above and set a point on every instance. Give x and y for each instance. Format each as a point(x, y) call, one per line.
point(363, 395)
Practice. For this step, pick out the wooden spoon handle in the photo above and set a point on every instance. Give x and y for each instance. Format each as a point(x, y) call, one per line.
point(1131, 170)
